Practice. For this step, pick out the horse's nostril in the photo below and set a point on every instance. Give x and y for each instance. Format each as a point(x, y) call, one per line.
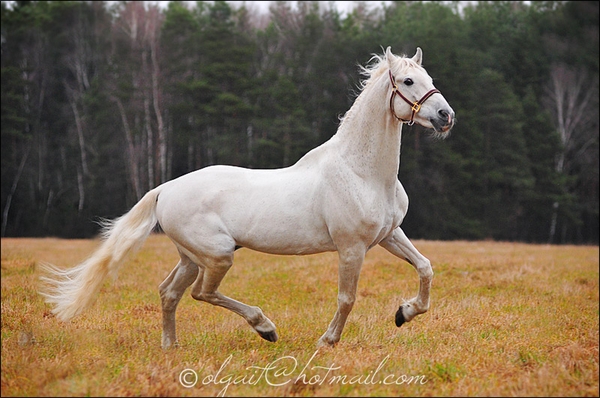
point(446, 116)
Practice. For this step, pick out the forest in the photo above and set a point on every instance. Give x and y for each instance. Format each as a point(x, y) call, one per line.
point(102, 101)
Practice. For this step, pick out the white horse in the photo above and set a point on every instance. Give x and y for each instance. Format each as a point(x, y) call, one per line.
point(342, 196)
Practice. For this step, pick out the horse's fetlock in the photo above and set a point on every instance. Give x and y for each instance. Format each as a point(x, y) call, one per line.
point(257, 318)
point(327, 341)
point(426, 306)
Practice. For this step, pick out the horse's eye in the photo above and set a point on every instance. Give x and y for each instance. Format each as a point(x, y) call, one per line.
point(408, 81)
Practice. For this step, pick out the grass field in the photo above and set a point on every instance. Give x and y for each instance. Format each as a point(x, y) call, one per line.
point(506, 319)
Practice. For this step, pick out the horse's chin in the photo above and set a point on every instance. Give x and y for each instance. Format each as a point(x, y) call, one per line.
point(441, 131)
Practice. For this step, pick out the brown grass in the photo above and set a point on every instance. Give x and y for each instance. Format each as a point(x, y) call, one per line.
point(506, 319)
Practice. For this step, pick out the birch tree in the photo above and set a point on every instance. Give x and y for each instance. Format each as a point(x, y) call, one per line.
point(569, 99)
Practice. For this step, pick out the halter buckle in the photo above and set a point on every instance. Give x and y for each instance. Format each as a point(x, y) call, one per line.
point(416, 107)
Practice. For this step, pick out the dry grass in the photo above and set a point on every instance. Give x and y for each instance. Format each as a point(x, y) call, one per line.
point(506, 320)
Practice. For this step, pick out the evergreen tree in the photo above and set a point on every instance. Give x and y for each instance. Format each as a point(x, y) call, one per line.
point(102, 102)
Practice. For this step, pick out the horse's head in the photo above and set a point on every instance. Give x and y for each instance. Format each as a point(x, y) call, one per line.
point(414, 99)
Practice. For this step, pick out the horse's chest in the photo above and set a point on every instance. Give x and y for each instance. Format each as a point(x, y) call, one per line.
point(376, 217)
point(356, 209)
point(380, 225)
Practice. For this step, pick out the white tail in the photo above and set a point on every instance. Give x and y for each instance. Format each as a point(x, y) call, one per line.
point(73, 290)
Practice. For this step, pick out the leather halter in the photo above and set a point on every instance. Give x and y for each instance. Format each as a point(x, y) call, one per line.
point(414, 106)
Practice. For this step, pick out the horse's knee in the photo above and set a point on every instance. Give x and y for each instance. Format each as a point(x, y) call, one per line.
point(424, 269)
point(346, 302)
point(168, 298)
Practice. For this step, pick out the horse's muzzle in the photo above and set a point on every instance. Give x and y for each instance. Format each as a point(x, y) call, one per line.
point(443, 122)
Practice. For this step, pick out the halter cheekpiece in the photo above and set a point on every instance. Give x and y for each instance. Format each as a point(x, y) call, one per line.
point(414, 106)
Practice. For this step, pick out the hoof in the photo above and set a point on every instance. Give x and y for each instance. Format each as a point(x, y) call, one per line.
point(400, 317)
point(269, 336)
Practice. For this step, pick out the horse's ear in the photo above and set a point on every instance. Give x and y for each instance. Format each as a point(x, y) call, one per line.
point(418, 57)
point(388, 54)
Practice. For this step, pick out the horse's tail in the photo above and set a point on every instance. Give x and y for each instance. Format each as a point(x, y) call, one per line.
point(73, 290)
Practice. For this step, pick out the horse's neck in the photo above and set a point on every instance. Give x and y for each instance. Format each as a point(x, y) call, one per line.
point(369, 137)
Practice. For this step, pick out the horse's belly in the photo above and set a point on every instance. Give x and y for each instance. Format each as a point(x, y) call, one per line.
point(285, 241)
point(277, 230)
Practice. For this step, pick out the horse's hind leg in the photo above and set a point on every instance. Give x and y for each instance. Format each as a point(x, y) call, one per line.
point(171, 290)
point(399, 245)
point(205, 289)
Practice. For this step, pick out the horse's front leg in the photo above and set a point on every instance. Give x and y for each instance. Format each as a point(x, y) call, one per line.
point(350, 264)
point(399, 245)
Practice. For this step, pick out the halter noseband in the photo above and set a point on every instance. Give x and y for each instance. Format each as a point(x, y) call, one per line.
point(414, 106)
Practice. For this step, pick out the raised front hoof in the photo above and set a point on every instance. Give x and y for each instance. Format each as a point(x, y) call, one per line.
point(269, 336)
point(400, 317)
